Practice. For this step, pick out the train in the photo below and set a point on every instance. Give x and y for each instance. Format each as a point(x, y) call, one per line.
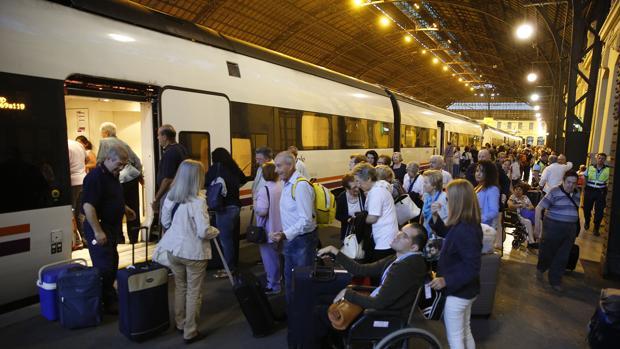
point(68, 66)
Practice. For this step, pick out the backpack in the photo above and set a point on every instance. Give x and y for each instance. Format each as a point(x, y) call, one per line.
point(324, 202)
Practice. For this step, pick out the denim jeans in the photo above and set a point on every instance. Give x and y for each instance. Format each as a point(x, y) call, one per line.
point(226, 222)
point(456, 316)
point(298, 252)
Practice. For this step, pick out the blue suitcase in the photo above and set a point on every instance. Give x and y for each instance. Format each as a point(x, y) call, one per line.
point(79, 297)
point(143, 298)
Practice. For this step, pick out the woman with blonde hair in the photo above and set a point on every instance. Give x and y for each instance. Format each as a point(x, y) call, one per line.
point(433, 195)
point(459, 261)
point(184, 214)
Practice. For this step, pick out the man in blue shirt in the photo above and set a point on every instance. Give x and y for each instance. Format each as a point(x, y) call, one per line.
point(104, 208)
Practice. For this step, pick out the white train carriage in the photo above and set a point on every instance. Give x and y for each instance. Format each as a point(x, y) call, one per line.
point(66, 69)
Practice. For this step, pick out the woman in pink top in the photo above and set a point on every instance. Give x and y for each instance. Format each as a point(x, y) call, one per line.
point(267, 210)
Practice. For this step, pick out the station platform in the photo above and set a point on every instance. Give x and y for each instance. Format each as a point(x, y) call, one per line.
point(527, 313)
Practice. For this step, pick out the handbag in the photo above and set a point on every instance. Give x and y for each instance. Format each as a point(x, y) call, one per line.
point(342, 313)
point(433, 302)
point(405, 208)
point(255, 233)
point(351, 247)
point(216, 191)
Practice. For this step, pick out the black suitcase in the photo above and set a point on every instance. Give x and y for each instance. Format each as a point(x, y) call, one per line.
point(252, 299)
point(573, 257)
point(312, 286)
point(143, 298)
point(604, 327)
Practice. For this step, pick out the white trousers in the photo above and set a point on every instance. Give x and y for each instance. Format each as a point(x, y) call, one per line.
point(529, 228)
point(456, 315)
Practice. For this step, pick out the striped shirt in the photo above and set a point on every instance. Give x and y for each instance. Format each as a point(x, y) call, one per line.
point(559, 207)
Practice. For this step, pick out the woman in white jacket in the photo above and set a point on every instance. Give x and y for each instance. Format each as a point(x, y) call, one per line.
point(186, 241)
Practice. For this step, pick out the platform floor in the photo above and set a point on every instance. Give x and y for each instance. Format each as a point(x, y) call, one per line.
point(527, 313)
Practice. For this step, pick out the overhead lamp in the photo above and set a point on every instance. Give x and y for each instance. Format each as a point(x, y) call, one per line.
point(482, 95)
point(467, 84)
point(384, 21)
point(424, 51)
point(460, 79)
point(492, 94)
point(471, 88)
point(537, 115)
point(408, 38)
point(445, 68)
point(537, 107)
point(534, 97)
point(417, 7)
point(524, 31)
point(358, 2)
point(435, 60)
point(531, 77)
point(453, 74)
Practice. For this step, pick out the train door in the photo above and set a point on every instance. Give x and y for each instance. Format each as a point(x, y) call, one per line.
point(442, 136)
point(91, 102)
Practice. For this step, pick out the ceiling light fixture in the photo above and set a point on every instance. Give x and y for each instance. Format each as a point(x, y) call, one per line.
point(531, 77)
point(537, 115)
point(424, 51)
point(534, 97)
point(445, 68)
point(537, 107)
point(435, 60)
point(408, 38)
point(384, 21)
point(524, 31)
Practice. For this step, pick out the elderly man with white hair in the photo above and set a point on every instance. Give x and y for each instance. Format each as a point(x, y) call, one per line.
point(553, 174)
point(437, 163)
point(129, 176)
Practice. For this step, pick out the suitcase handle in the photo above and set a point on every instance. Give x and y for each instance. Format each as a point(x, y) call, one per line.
point(133, 251)
point(67, 261)
point(219, 251)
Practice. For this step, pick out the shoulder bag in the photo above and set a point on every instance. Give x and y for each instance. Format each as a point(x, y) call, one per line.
point(576, 207)
point(256, 233)
point(351, 246)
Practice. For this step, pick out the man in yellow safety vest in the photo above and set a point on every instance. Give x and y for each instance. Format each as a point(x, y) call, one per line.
point(595, 192)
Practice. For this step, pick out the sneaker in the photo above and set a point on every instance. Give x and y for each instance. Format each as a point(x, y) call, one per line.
point(220, 274)
point(539, 275)
point(557, 288)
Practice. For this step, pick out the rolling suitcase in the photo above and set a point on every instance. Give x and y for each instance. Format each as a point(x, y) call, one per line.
point(252, 299)
point(79, 297)
point(489, 273)
point(312, 286)
point(573, 258)
point(143, 298)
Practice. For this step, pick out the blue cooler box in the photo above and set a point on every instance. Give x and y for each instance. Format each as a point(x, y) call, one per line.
point(48, 274)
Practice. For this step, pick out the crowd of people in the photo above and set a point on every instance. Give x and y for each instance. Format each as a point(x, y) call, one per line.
point(456, 193)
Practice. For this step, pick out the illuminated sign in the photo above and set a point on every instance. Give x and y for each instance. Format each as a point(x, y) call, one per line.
point(4, 104)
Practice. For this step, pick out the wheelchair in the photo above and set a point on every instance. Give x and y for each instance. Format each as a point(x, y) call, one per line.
point(511, 221)
point(377, 325)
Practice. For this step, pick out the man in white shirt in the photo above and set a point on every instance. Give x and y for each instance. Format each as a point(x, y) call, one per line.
point(553, 175)
point(299, 165)
point(298, 222)
point(77, 168)
point(437, 163)
point(262, 155)
point(380, 207)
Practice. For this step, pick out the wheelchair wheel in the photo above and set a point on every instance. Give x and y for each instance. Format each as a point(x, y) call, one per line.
point(409, 338)
point(516, 242)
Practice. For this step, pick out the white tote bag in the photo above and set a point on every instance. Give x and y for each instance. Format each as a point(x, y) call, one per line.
point(351, 247)
point(406, 209)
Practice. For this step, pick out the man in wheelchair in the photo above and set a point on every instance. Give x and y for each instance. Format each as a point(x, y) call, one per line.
point(521, 205)
point(388, 306)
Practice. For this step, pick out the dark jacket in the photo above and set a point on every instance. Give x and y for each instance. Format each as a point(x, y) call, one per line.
point(459, 260)
point(234, 179)
point(342, 211)
point(399, 287)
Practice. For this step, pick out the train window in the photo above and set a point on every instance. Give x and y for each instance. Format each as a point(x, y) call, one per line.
point(520, 125)
point(531, 126)
point(288, 127)
point(356, 133)
point(337, 123)
point(499, 124)
point(380, 134)
point(407, 136)
point(509, 125)
point(432, 137)
point(315, 131)
point(242, 154)
point(34, 160)
point(197, 143)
